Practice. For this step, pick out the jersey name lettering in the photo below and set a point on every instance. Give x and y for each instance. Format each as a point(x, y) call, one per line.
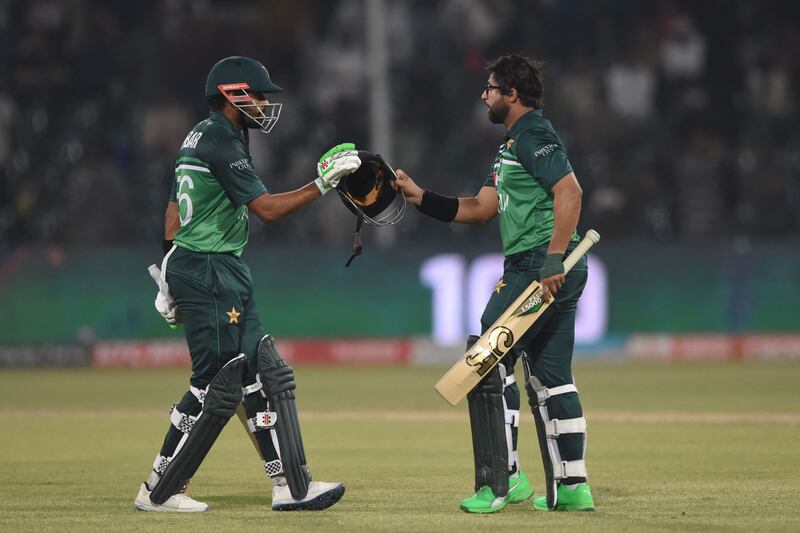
point(191, 140)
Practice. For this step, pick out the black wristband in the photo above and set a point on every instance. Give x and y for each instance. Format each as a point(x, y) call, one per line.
point(440, 207)
point(553, 264)
point(167, 245)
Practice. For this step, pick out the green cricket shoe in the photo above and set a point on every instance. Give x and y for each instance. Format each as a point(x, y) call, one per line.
point(577, 499)
point(484, 501)
point(519, 488)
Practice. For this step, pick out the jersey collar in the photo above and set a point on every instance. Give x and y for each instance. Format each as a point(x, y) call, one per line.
point(524, 122)
point(222, 119)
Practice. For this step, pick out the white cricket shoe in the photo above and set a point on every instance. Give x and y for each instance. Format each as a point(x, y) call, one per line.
point(320, 496)
point(177, 503)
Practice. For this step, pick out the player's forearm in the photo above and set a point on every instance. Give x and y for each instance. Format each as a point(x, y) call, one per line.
point(272, 207)
point(471, 211)
point(566, 212)
point(478, 209)
point(172, 221)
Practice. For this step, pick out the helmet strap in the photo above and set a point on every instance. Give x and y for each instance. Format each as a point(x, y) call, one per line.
point(356, 236)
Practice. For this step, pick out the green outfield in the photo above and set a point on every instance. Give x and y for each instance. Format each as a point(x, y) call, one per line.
point(672, 447)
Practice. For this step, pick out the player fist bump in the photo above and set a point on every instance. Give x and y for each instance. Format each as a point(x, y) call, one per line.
point(336, 163)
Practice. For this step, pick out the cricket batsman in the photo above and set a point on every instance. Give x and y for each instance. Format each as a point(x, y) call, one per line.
point(533, 189)
point(205, 285)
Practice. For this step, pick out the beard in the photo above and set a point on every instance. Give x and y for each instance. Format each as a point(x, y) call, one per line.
point(247, 121)
point(498, 113)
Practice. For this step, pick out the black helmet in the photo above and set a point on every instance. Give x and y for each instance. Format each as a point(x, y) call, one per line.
point(369, 190)
point(236, 70)
point(236, 78)
point(369, 194)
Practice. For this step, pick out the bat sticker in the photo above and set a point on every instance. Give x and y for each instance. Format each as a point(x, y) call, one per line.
point(501, 339)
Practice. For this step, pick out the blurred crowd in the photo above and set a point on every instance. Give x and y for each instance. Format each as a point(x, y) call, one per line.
point(680, 117)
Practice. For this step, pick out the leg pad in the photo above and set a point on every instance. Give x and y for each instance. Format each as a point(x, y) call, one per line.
point(549, 430)
point(278, 383)
point(220, 402)
point(487, 422)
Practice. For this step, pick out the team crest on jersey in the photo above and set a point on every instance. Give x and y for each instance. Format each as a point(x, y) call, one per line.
point(233, 315)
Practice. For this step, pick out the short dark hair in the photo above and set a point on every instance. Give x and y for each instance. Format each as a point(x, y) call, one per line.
point(522, 73)
point(216, 102)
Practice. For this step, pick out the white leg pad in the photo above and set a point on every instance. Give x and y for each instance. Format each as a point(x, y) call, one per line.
point(255, 387)
point(565, 469)
point(160, 464)
point(512, 417)
point(183, 422)
point(556, 427)
point(200, 394)
point(262, 420)
point(273, 468)
point(543, 393)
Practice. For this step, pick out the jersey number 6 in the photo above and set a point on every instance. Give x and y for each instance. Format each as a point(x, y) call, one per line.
point(184, 201)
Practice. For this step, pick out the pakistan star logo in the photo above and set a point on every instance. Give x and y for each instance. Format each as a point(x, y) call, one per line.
point(499, 286)
point(233, 314)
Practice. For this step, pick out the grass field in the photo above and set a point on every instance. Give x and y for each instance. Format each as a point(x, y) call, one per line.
point(672, 447)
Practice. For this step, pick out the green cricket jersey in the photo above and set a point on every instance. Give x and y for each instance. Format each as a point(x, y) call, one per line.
point(214, 179)
point(526, 167)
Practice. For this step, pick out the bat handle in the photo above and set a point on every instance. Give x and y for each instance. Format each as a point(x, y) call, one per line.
point(155, 273)
point(588, 241)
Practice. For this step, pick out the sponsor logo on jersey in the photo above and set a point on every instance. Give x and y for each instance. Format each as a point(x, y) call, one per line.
point(241, 164)
point(191, 140)
point(545, 150)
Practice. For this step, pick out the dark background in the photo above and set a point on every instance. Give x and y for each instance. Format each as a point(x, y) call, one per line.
point(680, 118)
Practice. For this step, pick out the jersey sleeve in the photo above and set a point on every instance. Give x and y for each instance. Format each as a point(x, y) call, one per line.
point(543, 157)
point(231, 165)
point(490, 180)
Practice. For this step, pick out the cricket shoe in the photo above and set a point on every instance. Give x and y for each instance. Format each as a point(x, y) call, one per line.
point(320, 496)
point(484, 501)
point(177, 503)
point(576, 499)
point(519, 488)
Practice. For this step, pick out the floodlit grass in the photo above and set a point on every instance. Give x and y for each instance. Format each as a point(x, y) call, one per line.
point(690, 447)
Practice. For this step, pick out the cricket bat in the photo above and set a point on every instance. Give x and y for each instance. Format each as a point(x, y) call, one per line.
point(503, 334)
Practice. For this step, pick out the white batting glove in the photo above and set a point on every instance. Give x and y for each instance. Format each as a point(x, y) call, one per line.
point(167, 308)
point(336, 163)
point(165, 304)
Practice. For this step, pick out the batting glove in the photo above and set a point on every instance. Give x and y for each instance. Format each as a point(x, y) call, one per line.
point(336, 163)
point(165, 304)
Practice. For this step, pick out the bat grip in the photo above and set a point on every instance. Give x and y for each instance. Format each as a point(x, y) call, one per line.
point(588, 241)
